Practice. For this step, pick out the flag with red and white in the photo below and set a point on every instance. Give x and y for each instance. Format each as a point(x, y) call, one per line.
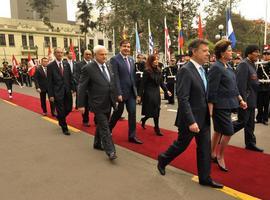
point(200, 29)
point(167, 41)
point(71, 49)
point(31, 66)
point(50, 54)
point(15, 64)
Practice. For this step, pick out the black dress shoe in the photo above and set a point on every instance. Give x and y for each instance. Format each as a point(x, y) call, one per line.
point(265, 123)
point(98, 147)
point(112, 156)
point(66, 132)
point(221, 167)
point(254, 148)
point(143, 123)
point(86, 124)
point(160, 167)
point(158, 132)
point(135, 140)
point(212, 184)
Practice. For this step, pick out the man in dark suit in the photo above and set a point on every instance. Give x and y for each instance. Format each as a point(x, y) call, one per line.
point(87, 58)
point(41, 84)
point(247, 82)
point(125, 76)
point(193, 119)
point(60, 87)
point(98, 81)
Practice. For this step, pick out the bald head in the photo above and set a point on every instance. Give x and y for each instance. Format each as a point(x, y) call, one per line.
point(87, 55)
point(58, 53)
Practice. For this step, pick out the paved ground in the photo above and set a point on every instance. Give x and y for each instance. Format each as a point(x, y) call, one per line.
point(38, 162)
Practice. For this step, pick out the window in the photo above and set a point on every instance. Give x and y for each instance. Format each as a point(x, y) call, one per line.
point(47, 41)
point(70, 41)
point(65, 43)
point(2, 39)
point(24, 41)
point(54, 42)
point(110, 46)
point(31, 41)
point(11, 40)
point(100, 42)
point(91, 44)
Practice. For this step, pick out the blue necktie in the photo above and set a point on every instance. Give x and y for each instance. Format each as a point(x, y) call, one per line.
point(202, 74)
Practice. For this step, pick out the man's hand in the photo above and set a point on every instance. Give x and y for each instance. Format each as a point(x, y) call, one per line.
point(120, 98)
point(194, 128)
point(81, 110)
point(38, 90)
point(51, 99)
point(169, 93)
point(243, 105)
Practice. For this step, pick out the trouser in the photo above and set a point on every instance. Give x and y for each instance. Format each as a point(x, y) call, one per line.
point(103, 134)
point(131, 109)
point(170, 86)
point(63, 107)
point(85, 115)
point(42, 95)
point(203, 151)
point(246, 120)
point(9, 83)
point(263, 106)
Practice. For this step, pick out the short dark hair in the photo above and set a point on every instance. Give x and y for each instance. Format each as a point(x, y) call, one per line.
point(124, 42)
point(221, 46)
point(5, 62)
point(251, 48)
point(67, 52)
point(44, 59)
point(195, 45)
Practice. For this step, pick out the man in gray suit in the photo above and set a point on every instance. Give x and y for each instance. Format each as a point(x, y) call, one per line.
point(193, 118)
point(97, 81)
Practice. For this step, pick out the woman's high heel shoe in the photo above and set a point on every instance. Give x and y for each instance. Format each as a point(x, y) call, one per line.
point(221, 167)
point(143, 123)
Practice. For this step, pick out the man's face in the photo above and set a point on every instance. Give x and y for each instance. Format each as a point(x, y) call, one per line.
point(101, 56)
point(125, 49)
point(201, 54)
point(173, 61)
point(58, 54)
point(139, 58)
point(69, 56)
point(254, 56)
point(44, 62)
point(87, 55)
point(266, 56)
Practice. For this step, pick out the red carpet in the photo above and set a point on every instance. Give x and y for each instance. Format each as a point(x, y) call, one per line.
point(249, 171)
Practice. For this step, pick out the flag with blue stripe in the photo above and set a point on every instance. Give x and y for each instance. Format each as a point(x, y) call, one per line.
point(229, 30)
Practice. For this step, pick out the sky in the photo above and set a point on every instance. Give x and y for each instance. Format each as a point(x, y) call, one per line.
point(250, 9)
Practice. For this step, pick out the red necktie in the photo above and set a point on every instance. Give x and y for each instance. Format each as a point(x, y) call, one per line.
point(61, 69)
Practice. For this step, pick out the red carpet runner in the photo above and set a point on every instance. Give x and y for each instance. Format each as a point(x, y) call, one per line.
point(249, 171)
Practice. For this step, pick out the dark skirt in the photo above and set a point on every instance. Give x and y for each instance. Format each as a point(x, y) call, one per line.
point(223, 122)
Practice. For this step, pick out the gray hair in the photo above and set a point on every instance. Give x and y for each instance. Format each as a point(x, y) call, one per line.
point(98, 48)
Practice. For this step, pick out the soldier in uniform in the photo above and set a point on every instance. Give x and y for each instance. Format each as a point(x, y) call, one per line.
point(7, 77)
point(139, 67)
point(170, 74)
point(263, 72)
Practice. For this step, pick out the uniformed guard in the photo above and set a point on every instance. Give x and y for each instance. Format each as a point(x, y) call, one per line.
point(7, 77)
point(139, 67)
point(170, 78)
point(263, 72)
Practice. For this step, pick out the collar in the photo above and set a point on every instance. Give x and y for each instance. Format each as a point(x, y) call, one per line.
point(197, 65)
point(57, 61)
point(87, 61)
point(123, 56)
point(99, 64)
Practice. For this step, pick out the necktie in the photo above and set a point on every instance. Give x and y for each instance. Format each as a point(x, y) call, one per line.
point(45, 70)
point(104, 73)
point(202, 74)
point(61, 69)
point(127, 62)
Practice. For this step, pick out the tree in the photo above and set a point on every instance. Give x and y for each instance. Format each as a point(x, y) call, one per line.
point(85, 9)
point(42, 8)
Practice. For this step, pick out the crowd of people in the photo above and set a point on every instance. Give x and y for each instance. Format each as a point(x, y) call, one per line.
point(206, 86)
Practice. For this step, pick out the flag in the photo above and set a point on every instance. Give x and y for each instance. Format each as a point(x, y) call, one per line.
point(124, 34)
point(180, 35)
point(14, 67)
point(151, 43)
point(31, 66)
point(229, 28)
point(138, 44)
point(50, 54)
point(71, 49)
point(167, 41)
point(200, 30)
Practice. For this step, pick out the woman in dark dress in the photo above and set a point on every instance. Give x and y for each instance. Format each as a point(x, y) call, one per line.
point(223, 98)
point(7, 77)
point(149, 92)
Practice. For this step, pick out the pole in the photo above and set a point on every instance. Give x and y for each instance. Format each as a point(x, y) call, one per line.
point(79, 45)
point(265, 26)
point(113, 42)
point(165, 49)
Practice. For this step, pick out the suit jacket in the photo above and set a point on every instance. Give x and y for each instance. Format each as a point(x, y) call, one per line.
point(247, 82)
point(58, 85)
point(40, 79)
point(192, 99)
point(223, 89)
point(78, 69)
point(102, 93)
point(125, 80)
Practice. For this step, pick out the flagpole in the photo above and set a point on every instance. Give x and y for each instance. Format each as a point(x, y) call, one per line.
point(136, 40)
point(79, 45)
point(165, 56)
point(149, 51)
point(113, 42)
point(179, 28)
point(265, 26)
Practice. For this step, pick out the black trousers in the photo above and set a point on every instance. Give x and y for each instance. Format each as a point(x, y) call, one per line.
point(85, 115)
point(63, 107)
point(9, 83)
point(203, 151)
point(42, 95)
point(103, 134)
point(246, 120)
point(170, 87)
point(263, 106)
